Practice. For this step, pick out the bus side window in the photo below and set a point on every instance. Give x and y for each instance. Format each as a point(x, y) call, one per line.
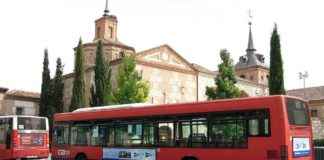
point(5, 132)
point(80, 135)
point(148, 134)
point(61, 135)
point(253, 127)
point(259, 123)
point(110, 137)
point(166, 134)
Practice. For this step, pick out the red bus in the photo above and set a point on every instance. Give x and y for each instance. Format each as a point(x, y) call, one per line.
point(260, 128)
point(23, 137)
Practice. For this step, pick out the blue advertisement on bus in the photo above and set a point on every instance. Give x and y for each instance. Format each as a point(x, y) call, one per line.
point(128, 154)
point(301, 147)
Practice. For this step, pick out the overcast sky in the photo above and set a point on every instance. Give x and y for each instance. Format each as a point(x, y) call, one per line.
point(197, 29)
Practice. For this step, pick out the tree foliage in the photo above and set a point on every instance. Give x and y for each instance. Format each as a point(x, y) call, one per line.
point(225, 80)
point(78, 94)
point(58, 86)
point(130, 86)
point(276, 78)
point(45, 108)
point(101, 92)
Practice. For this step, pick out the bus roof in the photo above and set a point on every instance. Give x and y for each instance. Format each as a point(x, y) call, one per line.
point(14, 116)
point(134, 105)
point(146, 110)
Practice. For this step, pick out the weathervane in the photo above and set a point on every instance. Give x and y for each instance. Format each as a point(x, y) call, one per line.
point(250, 17)
point(106, 11)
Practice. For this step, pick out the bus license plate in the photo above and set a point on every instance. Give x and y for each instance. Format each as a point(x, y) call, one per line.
point(301, 147)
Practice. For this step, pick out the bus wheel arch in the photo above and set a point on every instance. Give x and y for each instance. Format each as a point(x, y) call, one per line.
point(81, 156)
point(189, 158)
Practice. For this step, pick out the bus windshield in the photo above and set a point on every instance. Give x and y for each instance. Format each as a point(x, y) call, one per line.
point(31, 123)
point(297, 112)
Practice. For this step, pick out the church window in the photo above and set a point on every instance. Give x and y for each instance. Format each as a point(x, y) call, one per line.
point(242, 76)
point(251, 78)
point(164, 98)
point(262, 78)
point(111, 32)
point(182, 89)
point(98, 32)
point(141, 73)
point(122, 54)
point(314, 113)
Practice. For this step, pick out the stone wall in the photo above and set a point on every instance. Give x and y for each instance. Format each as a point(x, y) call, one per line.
point(9, 107)
point(204, 80)
point(111, 53)
point(167, 86)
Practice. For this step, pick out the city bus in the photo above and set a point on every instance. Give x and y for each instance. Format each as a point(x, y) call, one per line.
point(24, 137)
point(258, 128)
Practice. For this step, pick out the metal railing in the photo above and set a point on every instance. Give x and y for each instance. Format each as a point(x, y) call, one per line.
point(319, 153)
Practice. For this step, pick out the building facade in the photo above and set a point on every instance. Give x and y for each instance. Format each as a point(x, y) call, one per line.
point(172, 78)
point(17, 102)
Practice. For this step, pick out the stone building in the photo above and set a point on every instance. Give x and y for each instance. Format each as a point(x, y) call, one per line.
point(315, 98)
point(16, 102)
point(172, 78)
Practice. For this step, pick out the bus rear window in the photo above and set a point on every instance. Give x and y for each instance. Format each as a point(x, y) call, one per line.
point(297, 112)
point(31, 123)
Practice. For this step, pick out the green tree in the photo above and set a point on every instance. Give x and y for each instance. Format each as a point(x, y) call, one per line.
point(225, 80)
point(276, 78)
point(103, 89)
point(58, 86)
point(78, 94)
point(45, 108)
point(130, 86)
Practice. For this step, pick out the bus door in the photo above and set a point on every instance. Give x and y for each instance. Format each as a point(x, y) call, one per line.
point(5, 137)
point(61, 134)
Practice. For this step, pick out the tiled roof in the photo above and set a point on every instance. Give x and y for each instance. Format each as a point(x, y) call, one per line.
point(2, 89)
point(203, 69)
point(25, 94)
point(312, 93)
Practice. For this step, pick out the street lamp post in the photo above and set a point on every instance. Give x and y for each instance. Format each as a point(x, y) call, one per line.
point(303, 76)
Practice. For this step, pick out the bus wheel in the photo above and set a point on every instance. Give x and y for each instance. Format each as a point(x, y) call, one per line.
point(81, 157)
point(189, 158)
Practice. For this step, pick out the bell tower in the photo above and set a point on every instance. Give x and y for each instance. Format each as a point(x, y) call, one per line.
point(106, 26)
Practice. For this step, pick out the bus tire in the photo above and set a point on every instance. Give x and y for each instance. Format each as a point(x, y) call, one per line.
point(81, 156)
point(189, 158)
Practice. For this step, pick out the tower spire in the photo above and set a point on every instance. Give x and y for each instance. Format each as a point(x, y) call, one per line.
point(250, 47)
point(106, 11)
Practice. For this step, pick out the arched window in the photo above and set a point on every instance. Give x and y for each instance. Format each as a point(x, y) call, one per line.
point(98, 32)
point(111, 30)
point(122, 54)
point(242, 76)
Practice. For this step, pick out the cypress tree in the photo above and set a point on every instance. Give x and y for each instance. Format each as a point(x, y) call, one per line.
point(130, 86)
point(58, 87)
point(225, 80)
point(103, 93)
point(78, 93)
point(276, 78)
point(45, 97)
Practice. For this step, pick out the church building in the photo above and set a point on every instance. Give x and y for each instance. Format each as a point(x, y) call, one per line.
point(172, 78)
